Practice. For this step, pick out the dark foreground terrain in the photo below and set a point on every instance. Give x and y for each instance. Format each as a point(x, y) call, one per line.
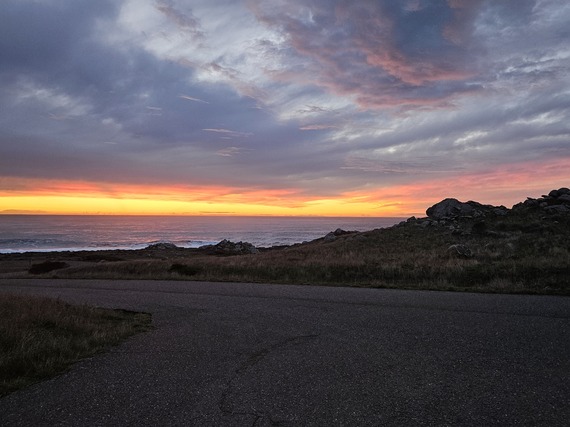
point(237, 354)
point(461, 246)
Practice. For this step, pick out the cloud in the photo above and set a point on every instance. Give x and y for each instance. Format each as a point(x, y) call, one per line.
point(185, 21)
point(190, 98)
point(325, 97)
point(228, 132)
point(318, 127)
point(377, 52)
point(230, 151)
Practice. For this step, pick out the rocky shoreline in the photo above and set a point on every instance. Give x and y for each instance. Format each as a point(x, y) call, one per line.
point(457, 215)
point(461, 218)
point(457, 245)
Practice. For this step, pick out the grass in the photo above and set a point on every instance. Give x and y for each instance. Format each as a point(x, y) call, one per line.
point(41, 337)
point(511, 254)
point(46, 267)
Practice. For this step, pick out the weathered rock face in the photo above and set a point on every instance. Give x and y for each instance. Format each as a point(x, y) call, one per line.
point(334, 234)
point(556, 202)
point(453, 208)
point(472, 218)
point(449, 208)
point(226, 247)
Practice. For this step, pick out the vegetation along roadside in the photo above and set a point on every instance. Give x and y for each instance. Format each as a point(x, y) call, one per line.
point(42, 337)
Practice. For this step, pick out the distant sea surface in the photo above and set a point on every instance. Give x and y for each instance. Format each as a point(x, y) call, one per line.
point(45, 233)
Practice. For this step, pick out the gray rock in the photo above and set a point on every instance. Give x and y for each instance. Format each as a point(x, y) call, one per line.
point(330, 237)
point(227, 247)
point(501, 211)
point(565, 198)
point(531, 202)
point(338, 232)
point(460, 250)
point(453, 208)
point(162, 246)
point(449, 208)
point(563, 209)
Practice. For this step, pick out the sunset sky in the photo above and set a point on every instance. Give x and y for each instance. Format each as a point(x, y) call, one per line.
point(281, 107)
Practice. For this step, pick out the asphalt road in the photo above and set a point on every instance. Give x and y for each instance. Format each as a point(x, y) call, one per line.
point(225, 354)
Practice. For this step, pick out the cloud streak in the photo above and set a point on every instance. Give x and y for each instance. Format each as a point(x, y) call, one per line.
point(333, 99)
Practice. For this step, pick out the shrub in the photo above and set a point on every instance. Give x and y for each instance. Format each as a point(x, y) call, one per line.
point(46, 267)
point(185, 270)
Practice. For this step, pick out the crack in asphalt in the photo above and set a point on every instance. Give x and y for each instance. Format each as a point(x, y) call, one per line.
point(252, 360)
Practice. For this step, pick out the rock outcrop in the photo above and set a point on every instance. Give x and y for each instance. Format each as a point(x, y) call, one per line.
point(162, 246)
point(334, 234)
point(453, 208)
point(227, 247)
point(472, 218)
point(556, 202)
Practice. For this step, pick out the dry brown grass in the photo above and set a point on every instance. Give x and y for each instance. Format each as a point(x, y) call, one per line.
point(40, 337)
point(516, 255)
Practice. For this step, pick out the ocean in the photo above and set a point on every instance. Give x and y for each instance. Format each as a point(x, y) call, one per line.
point(45, 233)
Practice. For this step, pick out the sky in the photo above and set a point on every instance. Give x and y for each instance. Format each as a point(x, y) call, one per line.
point(281, 107)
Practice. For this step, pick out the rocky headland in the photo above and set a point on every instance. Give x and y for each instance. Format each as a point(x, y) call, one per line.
point(456, 246)
point(467, 217)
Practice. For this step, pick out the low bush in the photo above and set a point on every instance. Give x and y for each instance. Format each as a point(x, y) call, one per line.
point(47, 266)
point(185, 270)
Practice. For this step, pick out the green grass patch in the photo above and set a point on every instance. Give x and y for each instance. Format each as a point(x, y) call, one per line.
point(41, 337)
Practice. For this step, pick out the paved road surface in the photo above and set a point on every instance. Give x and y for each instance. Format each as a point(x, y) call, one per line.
point(260, 355)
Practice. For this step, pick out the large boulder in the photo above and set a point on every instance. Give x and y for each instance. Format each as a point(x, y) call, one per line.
point(227, 247)
point(451, 208)
point(555, 202)
point(334, 234)
point(460, 251)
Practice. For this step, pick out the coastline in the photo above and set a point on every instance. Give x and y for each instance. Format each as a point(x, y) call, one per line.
point(459, 246)
point(81, 233)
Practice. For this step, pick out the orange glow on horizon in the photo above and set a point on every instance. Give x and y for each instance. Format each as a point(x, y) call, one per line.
point(83, 198)
point(507, 184)
point(74, 205)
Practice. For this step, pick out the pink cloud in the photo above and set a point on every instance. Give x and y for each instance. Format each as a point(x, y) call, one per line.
point(186, 21)
point(354, 50)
